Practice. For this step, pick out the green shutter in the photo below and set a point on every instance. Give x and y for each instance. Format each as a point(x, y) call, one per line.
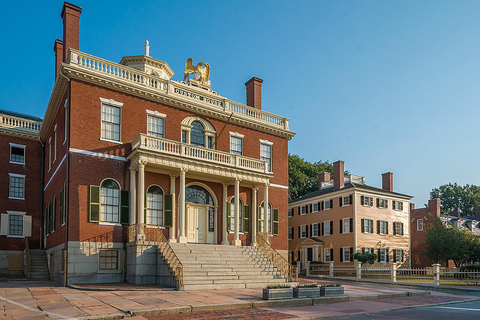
point(229, 215)
point(125, 207)
point(275, 222)
point(168, 200)
point(246, 218)
point(94, 204)
point(61, 208)
point(259, 218)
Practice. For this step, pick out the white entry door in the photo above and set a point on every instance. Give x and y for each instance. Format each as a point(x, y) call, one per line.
point(196, 224)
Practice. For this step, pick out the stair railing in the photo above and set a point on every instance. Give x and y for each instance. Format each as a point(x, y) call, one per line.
point(287, 270)
point(29, 263)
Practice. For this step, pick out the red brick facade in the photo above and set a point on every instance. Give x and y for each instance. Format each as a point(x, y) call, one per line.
point(417, 231)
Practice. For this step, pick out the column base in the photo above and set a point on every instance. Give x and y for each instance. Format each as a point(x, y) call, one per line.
point(237, 243)
point(182, 239)
point(172, 240)
point(225, 243)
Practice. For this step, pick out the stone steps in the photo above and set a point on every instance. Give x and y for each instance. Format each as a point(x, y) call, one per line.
point(38, 265)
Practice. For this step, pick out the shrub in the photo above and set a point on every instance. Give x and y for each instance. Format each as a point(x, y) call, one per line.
point(278, 286)
point(331, 285)
point(365, 258)
point(307, 285)
point(470, 267)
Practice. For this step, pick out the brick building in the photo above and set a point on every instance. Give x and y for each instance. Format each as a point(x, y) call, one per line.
point(134, 160)
point(345, 216)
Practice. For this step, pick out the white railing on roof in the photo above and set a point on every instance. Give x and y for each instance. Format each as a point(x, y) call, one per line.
point(9, 121)
point(165, 146)
point(326, 184)
point(355, 179)
point(138, 77)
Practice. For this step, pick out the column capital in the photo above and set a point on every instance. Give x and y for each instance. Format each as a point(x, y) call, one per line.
point(142, 162)
point(237, 179)
point(183, 170)
point(225, 184)
point(255, 189)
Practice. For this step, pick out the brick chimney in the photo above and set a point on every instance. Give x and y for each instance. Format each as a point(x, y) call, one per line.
point(412, 208)
point(322, 177)
point(58, 49)
point(254, 92)
point(338, 174)
point(387, 181)
point(71, 27)
point(434, 206)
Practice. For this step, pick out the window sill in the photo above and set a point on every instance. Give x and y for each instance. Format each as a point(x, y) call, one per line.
point(110, 224)
point(21, 163)
point(18, 237)
point(113, 141)
point(15, 198)
point(232, 232)
point(109, 271)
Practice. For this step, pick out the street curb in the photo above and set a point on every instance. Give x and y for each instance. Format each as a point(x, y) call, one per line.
point(120, 289)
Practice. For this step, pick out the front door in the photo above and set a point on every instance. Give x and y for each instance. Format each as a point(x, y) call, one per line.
point(196, 224)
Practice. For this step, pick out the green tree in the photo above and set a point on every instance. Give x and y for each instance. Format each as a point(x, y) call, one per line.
point(455, 197)
point(303, 175)
point(365, 258)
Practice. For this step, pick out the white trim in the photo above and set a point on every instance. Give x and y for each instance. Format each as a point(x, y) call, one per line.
point(20, 237)
point(270, 143)
point(236, 134)
point(156, 113)
point(104, 223)
point(278, 186)
point(97, 154)
point(17, 145)
point(16, 212)
point(108, 140)
point(53, 175)
point(111, 101)
point(16, 175)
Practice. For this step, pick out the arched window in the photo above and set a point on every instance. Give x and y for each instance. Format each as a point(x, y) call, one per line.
point(197, 134)
point(269, 223)
point(232, 215)
point(110, 201)
point(155, 206)
point(199, 195)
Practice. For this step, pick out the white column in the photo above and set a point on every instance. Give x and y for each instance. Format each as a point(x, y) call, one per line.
point(436, 274)
point(181, 210)
point(330, 269)
point(358, 267)
point(254, 216)
point(237, 240)
point(224, 206)
point(174, 210)
point(133, 190)
point(141, 196)
point(307, 268)
point(265, 209)
point(393, 273)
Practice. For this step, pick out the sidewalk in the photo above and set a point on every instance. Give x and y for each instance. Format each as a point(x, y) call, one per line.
point(43, 300)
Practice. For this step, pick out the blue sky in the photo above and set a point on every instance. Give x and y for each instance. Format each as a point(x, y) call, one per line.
point(382, 85)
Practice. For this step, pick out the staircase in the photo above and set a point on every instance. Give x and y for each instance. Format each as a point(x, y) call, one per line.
point(209, 267)
point(39, 266)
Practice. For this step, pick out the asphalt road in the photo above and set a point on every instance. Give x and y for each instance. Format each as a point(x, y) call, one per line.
point(469, 310)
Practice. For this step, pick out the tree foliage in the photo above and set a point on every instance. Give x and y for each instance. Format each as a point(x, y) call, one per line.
point(455, 197)
point(365, 258)
point(303, 175)
point(450, 243)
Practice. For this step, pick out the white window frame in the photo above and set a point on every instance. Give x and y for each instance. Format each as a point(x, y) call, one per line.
point(327, 257)
point(65, 133)
point(290, 233)
point(420, 225)
point(382, 203)
point(270, 160)
point(236, 135)
point(232, 215)
point(398, 255)
point(20, 146)
point(367, 250)
point(290, 212)
point(325, 228)
point(16, 213)
point(303, 231)
point(303, 210)
point(345, 250)
point(383, 227)
point(325, 205)
point(315, 230)
point(55, 143)
point(365, 229)
point(161, 211)
point(346, 201)
point(367, 201)
point(315, 207)
point(114, 104)
point(15, 175)
point(156, 114)
point(345, 225)
point(103, 221)
point(49, 154)
point(118, 260)
point(385, 253)
point(398, 231)
point(397, 204)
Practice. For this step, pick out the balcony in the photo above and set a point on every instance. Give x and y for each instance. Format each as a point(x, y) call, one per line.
point(183, 150)
point(20, 124)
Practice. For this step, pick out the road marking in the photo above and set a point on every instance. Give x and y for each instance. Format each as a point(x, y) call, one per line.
point(467, 309)
point(36, 310)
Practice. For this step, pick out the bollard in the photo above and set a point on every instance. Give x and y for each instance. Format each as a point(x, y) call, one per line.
point(298, 266)
point(330, 271)
point(393, 273)
point(307, 268)
point(436, 274)
point(358, 266)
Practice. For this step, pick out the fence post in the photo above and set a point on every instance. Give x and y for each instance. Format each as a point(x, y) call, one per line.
point(393, 273)
point(307, 268)
point(436, 274)
point(298, 266)
point(330, 271)
point(358, 266)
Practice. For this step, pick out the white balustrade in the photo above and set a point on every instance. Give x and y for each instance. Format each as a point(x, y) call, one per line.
point(200, 153)
point(24, 124)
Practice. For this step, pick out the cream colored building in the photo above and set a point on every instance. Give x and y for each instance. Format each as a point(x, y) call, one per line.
point(345, 216)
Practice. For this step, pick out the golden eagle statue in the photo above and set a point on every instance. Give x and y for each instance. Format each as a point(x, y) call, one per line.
point(202, 68)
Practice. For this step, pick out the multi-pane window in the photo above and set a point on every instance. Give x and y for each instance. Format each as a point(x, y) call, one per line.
point(303, 231)
point(15, 225)
point(184, 136)
point(110, 201)
point(304, 209)
point(346, 254)
point(155, 126)
point(367, 250)
point(236, 145)
point(290, 233)
point(382, 255)
point(315, 230)
point(327, 205)
point(382, 227)
point(240, 214)
point(111, 122)
point(17, 186)
point(366, 201)
point(346, 225)
point(398, 228)
point(197, 134)
point(266, 155)
point(327, 255)
point(345, 201)
point(327, 228)
point(290, 212)
point(17, 154)
point(382, 203)
point(316, 207)
point(108, 260)
point(398, 255)
point(367, 225)
point(420, 225)
point(397, 205)
point(269, 217)
point(155, 206)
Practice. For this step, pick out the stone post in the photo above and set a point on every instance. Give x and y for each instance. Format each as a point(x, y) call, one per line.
point(393, 273)
point(436, 274)
point(298, 265)
point(307, 268)
point(358, 267)
point(330, 271)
